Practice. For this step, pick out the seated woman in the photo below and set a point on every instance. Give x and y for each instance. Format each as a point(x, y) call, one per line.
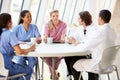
point(55, 29)
point(8, 44)
point(24, 32)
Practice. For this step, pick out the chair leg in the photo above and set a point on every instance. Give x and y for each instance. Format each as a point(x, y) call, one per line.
point(24, 78)
point(117, 73)
point(108, 76)
point(42, 70)
point(69, 77)
point(36, 75)
point(80, 75)
point(38, 70)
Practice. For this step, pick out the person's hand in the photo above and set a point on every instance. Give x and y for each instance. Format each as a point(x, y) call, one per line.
point(32, 48)
point(38, 40)
point(45, 40)
point(62, 41)
point(76, 43)
point(71, 40)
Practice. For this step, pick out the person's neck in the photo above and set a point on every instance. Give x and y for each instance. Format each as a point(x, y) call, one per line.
point(102, 23)
point(84, 26)
point(56, 23)
point(26, 26)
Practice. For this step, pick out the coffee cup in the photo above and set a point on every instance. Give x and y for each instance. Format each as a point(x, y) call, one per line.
point(49, 40)
point(33, 40)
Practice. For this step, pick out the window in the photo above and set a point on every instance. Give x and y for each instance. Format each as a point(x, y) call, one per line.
point(1, 4)
point(14, 10)
point(34, 9)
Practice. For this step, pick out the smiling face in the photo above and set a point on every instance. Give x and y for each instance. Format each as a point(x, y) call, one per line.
point(27, 18)
point(55, 17)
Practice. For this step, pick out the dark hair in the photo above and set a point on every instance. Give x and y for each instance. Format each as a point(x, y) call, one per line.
point(22, 14)
point(86, 17)
point(54, 11)
point(4, 19)
point(105, 15)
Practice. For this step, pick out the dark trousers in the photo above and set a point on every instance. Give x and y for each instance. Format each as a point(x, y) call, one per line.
point(93, 76)
point(71, 71)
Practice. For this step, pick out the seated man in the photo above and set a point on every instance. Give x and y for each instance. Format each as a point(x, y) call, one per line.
point(100, 39)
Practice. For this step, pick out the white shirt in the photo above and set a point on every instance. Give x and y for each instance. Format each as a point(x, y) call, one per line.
point(79, 34)
point(100, 39)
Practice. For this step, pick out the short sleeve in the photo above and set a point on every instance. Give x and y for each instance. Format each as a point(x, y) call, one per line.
point(13, 39)
point(37, 33)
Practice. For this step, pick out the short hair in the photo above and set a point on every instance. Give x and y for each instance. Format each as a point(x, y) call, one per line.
point(54, 11)
point(86, 17)
point(105, 15)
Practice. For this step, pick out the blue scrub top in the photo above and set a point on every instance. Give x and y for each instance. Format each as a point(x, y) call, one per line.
point(24, 35)
point(7, 41)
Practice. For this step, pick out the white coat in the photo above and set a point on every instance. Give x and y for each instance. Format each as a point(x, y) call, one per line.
point(79, 34)
point(99, 40)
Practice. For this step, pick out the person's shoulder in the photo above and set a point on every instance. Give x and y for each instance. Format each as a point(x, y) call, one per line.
point(47, 24)
point(93, 26)
point(33, 25)
point(17, 27)
point(62, 22)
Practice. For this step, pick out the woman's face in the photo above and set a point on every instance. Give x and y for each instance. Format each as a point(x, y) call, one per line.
point(55, 17)
point(80, 21)
point(27, 18)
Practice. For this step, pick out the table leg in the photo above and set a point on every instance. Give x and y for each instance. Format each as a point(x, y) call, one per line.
point(37, 70)
point(36, 77)
point(53, 70)
point(42, 69)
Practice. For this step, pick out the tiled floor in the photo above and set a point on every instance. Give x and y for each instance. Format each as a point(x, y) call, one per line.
point(63, 70)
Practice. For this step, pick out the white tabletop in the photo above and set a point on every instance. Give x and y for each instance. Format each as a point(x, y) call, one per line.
point(55, 50)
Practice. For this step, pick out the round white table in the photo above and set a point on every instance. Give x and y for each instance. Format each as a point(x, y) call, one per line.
point(54, 50)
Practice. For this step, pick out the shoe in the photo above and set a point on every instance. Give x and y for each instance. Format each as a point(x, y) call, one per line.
point(57, 78)
point(57, 75)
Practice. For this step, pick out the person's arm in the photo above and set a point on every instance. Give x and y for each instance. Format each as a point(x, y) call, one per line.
point(45, 38)
point(95, 39)
point(46, 32)
point(37, 35)
point(20, 51)
point(62, 40)
point(15, 44)
point(71, 40)
point(38, 39)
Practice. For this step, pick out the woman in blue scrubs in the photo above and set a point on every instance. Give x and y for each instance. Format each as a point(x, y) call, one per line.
point(8, 44)
point(24, 32)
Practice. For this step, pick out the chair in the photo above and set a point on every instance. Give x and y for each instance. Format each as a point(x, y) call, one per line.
point(106, 66)
point(4, 72)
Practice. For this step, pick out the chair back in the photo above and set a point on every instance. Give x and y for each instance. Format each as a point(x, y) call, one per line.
point(3, 71)
point(109, 56)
